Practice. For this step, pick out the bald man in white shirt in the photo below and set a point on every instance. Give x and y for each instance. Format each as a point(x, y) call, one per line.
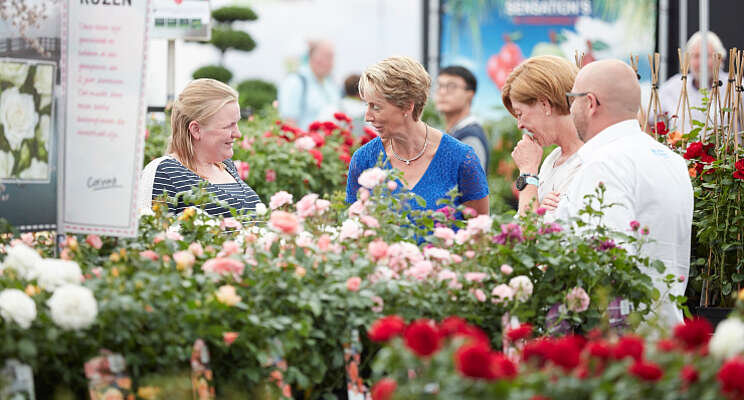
point(649, 181)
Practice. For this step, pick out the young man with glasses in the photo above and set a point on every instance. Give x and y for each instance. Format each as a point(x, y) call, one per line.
point(455, 88)
point(647, 181)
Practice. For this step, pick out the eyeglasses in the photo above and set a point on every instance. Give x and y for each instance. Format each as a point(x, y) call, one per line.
point(570, 97)
point(449, 86)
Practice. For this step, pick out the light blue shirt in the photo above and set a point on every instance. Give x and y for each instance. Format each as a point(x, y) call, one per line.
point(321, 98)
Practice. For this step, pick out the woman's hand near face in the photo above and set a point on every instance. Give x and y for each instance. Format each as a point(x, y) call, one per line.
point(527, 155)
point(550, 201)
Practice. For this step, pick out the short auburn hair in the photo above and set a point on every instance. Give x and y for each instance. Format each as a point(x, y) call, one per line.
point(400, 80)
point(538, 78)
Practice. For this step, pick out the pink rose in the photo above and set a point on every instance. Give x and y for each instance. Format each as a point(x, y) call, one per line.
point(635, 225)
point(97, 271)
point(305, 143)
point(469, 212)
point(447, 275)
point(279, 199)
point(244, 169)
point(223, 266)
point(321, 206)
point(437, 254)
point(377, 249)
point(462, 236)
point(456, 259)
point(479, 224)
point(369, 221)
point(230, 223)
point(270, 175)
point(372, 177)
point(350, 229)
point(446, 234)
point(196, 249)
point(506, 269)
point(502, 293)
point(541, 211)
point(247, 142)
point(229, 337)
point(304, 240)
point(158, 238)
point(356, 208)
point(284, 222)
point(306, 205)
point(150, 255)
point(363, 194)
point(230, 247)
point(479, 295)
point(173, 235)
point(324, 242)
point(420, 270)
point(577, 300)
point(353, 283)
point(391, 185)
point(475, 276)
point(470, 254)
point(184, 259)
point(379, 303)
point(93, 240)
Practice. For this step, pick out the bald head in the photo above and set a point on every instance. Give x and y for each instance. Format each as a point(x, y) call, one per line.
point(616, 86)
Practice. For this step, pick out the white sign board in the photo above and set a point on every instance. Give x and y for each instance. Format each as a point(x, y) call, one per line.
point(187, 19)
point(104, 44)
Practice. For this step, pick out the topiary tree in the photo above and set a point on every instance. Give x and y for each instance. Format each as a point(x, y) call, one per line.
point(225, 38)
point(255, 94)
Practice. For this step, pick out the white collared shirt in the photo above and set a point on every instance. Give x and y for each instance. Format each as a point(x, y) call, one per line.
point(652, 186)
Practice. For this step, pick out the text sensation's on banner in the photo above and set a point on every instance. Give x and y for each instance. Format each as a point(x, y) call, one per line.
point(104, 57)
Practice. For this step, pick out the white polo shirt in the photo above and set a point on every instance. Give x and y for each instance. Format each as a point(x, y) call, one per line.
point(652, 186)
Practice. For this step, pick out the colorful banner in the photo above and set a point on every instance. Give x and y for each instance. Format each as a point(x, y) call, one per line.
point(104, 54)
point(188, 19)
point(492, 37)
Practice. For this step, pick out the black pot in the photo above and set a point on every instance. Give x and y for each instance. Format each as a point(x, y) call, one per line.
point(713, 314)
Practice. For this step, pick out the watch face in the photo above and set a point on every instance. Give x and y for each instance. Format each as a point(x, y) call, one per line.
point(521, 182)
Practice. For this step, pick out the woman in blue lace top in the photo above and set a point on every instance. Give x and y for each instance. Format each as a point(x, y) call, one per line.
point(395, 90)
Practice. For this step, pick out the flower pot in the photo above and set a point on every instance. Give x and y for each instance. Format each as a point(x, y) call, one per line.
point(713, 314)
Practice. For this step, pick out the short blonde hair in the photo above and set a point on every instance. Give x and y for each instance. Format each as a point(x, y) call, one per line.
point(198, 101)
point(538, 78)
point(400, 80)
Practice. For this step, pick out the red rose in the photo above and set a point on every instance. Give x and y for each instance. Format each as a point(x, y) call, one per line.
point(502, 366)
point(731, 377)
point(473, 333)
point(538, 350)
point(647, 371)
point(739, 165)
point(565, 353)
point(628, 346)
point(318, 156)
point(268, 134)
point(422, 338)
point(694, 333)
point(386, 328)
point(473, 360)
point(661, 128)
point(739, 175)
point(345, 158)
point(689, 374)
point(318, 138)
point(522, 332)
point(349, 140)
point(451, 325)
point(384, 389)
point(694, 150)
point(329, 125)
point(666, 345)
point(341, 117)
point(270, 175)
point(315, 126)
point(599, 349)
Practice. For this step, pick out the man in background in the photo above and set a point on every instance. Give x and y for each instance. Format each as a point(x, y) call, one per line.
point(455, 88)
point(310, 94)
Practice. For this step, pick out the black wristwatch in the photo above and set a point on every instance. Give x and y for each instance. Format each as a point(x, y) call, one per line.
point(526, 179)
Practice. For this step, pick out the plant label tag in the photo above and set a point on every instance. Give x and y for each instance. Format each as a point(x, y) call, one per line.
point(18, 381)
point(625, 307)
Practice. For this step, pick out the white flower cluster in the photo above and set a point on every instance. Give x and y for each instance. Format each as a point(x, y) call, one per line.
point(728, 340)
point(71, 305)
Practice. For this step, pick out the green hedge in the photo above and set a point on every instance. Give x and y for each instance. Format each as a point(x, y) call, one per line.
point(225, 39)
point(231, 14)
point(217, 72)
point(256, 94)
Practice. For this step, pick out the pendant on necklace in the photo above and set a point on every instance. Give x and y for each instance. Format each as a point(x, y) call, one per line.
point(407, 162)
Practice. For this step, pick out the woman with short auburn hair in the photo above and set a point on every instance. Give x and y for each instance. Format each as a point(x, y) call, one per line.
point(395, 90)
point(536, 93)
point(204, 127)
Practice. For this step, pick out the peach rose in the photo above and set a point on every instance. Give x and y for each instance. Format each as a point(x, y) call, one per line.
point(284, 222)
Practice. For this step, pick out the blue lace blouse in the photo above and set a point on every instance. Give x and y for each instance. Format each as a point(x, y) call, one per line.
point(454, 165)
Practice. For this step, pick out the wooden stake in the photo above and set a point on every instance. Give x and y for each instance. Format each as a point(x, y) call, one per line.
point(714, 103)
point(655, 62)
point(684, 100)
point(579, 59)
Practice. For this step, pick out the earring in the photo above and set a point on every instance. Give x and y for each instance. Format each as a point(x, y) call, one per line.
point(405, 115)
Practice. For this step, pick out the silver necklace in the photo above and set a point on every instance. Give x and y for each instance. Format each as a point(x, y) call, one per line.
point(417, 156)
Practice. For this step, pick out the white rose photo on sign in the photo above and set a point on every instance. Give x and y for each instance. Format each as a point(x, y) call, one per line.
point(26, 115)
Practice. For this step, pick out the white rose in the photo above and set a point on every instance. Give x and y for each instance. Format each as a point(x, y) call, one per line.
point(44, 100)
point(13, 72)
point(728, 340)
point(18, 116)
point(51, 273)
point(73, 307)
point(17, 306)
point(260, 209)
point(522, 287)
point(43, 79)
point(22, 259)
point(37, 170)
point(6, 164)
